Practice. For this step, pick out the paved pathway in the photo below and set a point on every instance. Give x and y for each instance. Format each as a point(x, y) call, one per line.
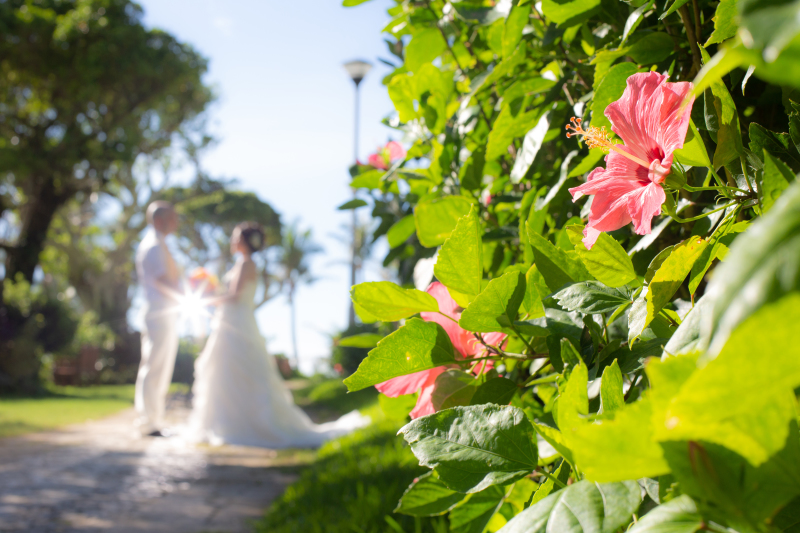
point(100, 476)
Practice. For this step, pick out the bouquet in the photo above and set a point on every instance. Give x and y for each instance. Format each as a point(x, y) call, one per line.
point(203, 282)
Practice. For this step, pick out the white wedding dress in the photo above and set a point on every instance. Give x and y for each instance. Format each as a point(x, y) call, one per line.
point(239, 394)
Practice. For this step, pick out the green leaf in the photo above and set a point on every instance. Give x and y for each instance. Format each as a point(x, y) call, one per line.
point(794, 125)
point(652, 48)
point(452, 388)
point(495, 308)
point(352, 204)
point(694, 151)
point(607, 261)
point(676, 516)
point(777, 144)
point(471, 175)
point(731, 491)
point(725, 24)
point(509, 125)
point(475, 513)
point(423, 48)
point(676, 4)
point(400, 231)
point(771, 26)
point(484, 16)
point(625, 447)
point(389, 302)
point(474, 447)
point(416, 346)
point(428, 496)
point(436, 219)
point(760, 268)
point(533, 328)
point(460, 263)
point(588, 163)
point(365, 316)
point(505, 67)
point(716, 250)
point(743, 406)
point(590, 297)
point(687, 337)
point(786, 519)
point(527, 86)
point(532, 303)
point(556, 440)
point(610, 90)
point(582, 507)
point(546, 488)
point(351, 3)
point(670, 275)
point(568, 12)
point(569, 354)
point(402, 92)
point(635, 18)
point(514, 25)
point(499, 391)
point(556, 266)
point(611, 397)
point(530, 147)
point(362, 340)
point(397, 408)
point(723, 121)
point(573, 402)
point(370, 179)
point(665, 282)
point(541, 203)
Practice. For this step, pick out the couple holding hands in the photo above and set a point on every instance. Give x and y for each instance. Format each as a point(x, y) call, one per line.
point(238, 394)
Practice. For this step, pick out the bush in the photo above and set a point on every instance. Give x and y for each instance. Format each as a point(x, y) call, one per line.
point(612, 190)
point(349, 357)
point(42, 322)
point(353, 485)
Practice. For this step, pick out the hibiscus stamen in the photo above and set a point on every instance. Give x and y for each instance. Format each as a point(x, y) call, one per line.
point(596, 137)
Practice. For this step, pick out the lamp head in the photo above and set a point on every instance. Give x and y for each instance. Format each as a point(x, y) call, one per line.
point(357, 70)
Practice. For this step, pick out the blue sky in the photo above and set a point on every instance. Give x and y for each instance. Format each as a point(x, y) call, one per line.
point(284, 120)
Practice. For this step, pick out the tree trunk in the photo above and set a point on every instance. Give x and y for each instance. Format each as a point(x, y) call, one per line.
point(19, 358)
point(36, 220)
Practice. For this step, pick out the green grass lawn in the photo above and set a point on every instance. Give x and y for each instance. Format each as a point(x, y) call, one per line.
point(62, 406)
point(352, 484)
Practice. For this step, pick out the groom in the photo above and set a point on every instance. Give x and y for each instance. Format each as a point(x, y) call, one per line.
point(158, 275)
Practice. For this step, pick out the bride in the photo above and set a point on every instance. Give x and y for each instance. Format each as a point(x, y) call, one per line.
point(239, 396)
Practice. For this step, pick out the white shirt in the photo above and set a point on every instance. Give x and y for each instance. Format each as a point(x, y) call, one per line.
point(153, 261)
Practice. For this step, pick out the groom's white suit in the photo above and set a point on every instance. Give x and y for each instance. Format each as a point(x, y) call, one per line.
point(156, 270)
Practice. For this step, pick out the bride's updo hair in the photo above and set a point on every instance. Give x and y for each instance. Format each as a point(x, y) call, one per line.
point(252, 235)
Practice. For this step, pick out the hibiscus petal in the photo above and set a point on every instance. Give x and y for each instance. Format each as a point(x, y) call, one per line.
point(402, 385)
point(643, 205)
point(395, 149)
point(674, 119)
point(377, 161)
point(590, 236)
point(460, 337)
point(636, 117)
point(425, 400)
point(611, 187)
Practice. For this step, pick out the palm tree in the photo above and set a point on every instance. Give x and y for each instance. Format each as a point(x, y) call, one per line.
point(295, 250)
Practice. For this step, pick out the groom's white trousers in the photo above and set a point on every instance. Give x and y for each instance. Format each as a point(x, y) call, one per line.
point(159, 348)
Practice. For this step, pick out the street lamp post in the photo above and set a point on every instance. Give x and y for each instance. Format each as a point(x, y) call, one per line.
point(357, 70)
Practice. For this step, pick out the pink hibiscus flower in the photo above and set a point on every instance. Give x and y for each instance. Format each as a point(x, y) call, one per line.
point(652, 120)
point(387, 155)
point(463, 341)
